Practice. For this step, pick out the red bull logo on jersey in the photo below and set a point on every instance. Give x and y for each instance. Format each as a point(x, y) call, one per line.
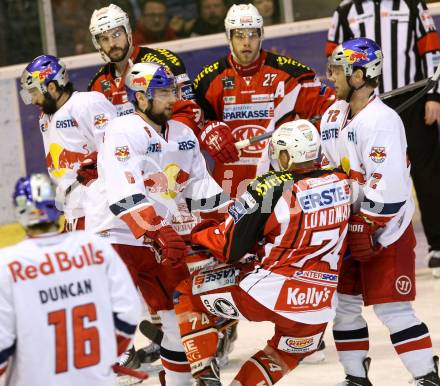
point(41, 75)
point(101, 120)
point(169, 182)
point(122, 153)
point(56, 262)
point(354, 56)
point(378, 154)
point(59, 160)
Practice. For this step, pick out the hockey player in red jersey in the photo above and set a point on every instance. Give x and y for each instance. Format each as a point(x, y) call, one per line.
point(252, 91)
point(299, 215)
point(111, 35)
point(366, 138)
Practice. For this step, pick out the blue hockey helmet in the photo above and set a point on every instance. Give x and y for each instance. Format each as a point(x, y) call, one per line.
point(39, 73)
point(146, 77)
point(358, 53)
point(34, 200)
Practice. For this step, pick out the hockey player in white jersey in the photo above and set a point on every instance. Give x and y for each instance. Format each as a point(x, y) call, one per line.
point(366, 138)
point(66, 293)
point(72, 125)
point(150, 164)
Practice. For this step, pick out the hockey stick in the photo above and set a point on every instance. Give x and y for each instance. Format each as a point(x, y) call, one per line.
point(138, 376)
point(427, 85)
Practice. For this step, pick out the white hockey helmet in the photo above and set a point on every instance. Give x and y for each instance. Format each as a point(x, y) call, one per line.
point(243, 16)
point(147, 77)
point(105, 19)
point(299, 138)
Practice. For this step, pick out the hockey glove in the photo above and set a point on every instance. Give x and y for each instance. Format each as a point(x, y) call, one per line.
point(216, 138)
point(360, 239)
point(172, 246)
point(88, 171)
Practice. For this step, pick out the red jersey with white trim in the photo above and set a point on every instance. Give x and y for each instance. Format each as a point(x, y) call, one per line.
point(371, 149)
point(140, 168)
point(112, 85)
point(73, 132)
point(71, 296)
point(279, 90)
point(302, 222)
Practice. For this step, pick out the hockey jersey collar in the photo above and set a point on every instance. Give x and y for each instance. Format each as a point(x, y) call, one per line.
point(252, 68)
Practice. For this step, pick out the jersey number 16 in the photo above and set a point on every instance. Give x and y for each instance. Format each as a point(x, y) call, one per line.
point(86, 347)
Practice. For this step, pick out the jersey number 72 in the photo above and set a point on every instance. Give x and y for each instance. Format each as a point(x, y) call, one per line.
point(86, 347)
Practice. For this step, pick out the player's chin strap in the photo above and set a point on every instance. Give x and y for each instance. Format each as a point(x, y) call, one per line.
point(352, 89)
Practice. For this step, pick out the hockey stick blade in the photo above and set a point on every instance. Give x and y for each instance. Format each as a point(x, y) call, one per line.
point(150, 331)
point(139, 376)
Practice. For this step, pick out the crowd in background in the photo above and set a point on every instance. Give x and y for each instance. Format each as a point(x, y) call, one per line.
point(152, 21)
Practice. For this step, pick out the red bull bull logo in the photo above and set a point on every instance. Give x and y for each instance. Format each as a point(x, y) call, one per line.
point(59, 160)
point(122, 153)
point(142, 81)
point(41, 75)
point(354, 56)
point(378, 154)
point(157, 182)
point(100, 120)
point(168, 182)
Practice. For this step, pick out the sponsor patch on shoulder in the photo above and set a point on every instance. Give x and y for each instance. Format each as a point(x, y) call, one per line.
point(101, 120)
point(237, 211)
point(122, 153)
point(378, 154)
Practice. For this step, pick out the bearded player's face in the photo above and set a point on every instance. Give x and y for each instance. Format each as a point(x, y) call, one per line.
point(114, 43)
point(162, 105)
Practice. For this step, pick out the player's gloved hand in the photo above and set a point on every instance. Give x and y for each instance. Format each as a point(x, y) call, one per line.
point(172, 246)
point(88, 170)
point(216, 138)
point(360, 239)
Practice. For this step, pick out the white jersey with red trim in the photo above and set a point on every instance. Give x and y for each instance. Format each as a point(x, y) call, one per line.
point(69, 135)
point(139, 168)
point(371, 149)
point(71, 296)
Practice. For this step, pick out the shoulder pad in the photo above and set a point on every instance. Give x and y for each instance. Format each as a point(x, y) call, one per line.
point(160, 56)
point(289, 65)
point(210, 71)
point(102, 70)
point(270, 181)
